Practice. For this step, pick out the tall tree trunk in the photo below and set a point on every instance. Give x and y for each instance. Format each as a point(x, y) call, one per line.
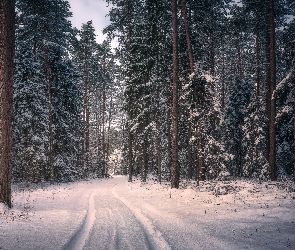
point(51, 167)
point(272, 86)
point(174, 129)
point(212, 45)
point(144, 151)
point(258, 71)
point(158, 136)
point(223, 85)
point(267, 69)
point(168, 117)
point(130, 153)
point(188, 38)
point(7, 43)
point(103, 132)
point(98, 125)
point(159, 159)
point(103, 119)
point(87, 141)
point(189, 153)
point(197, 170)
point(240, 71)
point(293, 78)
point(201, 165)
point(191, 63)
point(85, 116)
point(169, 142)
point(137, 153)
point(109, 128)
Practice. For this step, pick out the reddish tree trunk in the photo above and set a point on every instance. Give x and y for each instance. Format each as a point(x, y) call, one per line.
point(257, 48)
point(293, 81)
point(7, 43)
point(272, 86)
point(188, 39)
point(191, 63)
point(174, 129)
point(51, 167)
point(240, 71)
point(223, 85)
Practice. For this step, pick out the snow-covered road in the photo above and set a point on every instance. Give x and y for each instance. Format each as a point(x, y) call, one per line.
point(113, 223)
point(115, 214)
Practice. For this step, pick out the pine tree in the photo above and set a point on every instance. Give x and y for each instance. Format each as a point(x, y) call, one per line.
point(235, 112)
point(45, 78)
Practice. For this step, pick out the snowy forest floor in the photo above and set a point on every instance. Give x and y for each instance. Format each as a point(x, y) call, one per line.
point(116, 214)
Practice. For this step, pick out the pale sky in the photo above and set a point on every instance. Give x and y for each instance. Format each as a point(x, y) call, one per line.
point(95, 10)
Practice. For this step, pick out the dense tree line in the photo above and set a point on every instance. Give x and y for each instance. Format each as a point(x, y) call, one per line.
point(196, 89)
point(209, 90)
point(61, 107)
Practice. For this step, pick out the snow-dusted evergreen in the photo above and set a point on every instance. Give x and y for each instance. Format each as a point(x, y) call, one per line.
point(77, 101)
point(223, 123)
point(47, 98)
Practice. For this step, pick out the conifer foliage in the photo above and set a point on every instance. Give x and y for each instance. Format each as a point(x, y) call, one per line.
point(222, 75)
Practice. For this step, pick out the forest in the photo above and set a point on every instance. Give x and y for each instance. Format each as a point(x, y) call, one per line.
point(200, 90)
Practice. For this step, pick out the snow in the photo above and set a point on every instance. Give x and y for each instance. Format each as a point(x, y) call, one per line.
point(116, 214)
point(78, 241)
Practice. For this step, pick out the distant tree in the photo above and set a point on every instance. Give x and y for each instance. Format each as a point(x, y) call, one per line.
point(7, 44)
point(86, 48)
point(235, 113)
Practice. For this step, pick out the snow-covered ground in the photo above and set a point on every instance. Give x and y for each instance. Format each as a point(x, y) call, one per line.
point(116, 214)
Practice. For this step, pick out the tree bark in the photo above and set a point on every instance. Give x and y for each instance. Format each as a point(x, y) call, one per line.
point(212, 45)
point(109, 128)
point(189, 153)
point(258, 70)
point(159, 158)
point(158, 137)
point(108, 133)
point(144, 152)
point(85, 140)
point(191, 63)
point(223, 85)
point(293, 79)
point(51, 167)
point(197, 170)
point(188, 39)
point(103, 123)
point(169, 146)
point(7, 44)
point(130, 155)
point(272, 86)
point(86, 106)
point(201, 165)
point(240, 71)
point(174, 129)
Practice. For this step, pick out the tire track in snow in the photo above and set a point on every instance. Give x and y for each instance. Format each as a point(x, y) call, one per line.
point(79, 239)
point(154, 236)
